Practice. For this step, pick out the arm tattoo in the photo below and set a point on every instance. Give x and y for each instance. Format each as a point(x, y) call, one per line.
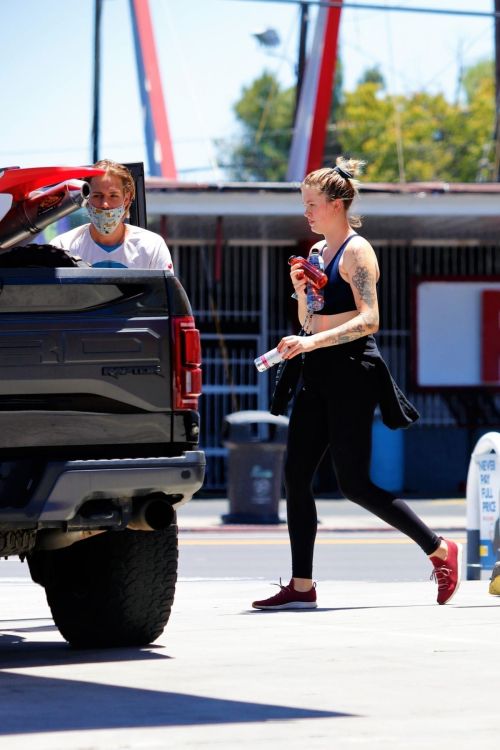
point(354, 333)
point(364, 284)
point(365, 322)
point(362, 325)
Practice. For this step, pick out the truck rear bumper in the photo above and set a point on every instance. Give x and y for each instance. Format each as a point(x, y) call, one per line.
point(67, 485)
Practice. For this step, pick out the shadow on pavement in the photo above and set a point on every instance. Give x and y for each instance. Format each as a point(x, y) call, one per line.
point(31, 629)
point(16, 653)
point(68, 705)
point(331, 609)
point(293, 611)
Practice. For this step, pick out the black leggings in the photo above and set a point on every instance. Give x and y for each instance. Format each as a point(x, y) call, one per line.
point(334, 410)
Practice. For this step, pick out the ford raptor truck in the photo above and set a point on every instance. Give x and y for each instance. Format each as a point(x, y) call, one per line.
point(99, 384)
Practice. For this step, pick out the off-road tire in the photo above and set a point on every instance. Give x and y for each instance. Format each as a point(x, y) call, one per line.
point(39, 256)
point(112, 590)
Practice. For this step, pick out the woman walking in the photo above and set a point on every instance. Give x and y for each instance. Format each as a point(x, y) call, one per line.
point(343, 380)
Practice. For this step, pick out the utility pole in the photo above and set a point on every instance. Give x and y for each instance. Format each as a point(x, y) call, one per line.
point(97, 80)
point(497, 91)
point(301, 57)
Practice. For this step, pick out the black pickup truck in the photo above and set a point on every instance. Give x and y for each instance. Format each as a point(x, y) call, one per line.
point(99, 384)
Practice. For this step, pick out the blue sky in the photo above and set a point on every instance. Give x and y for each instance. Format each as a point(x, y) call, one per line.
point(207, 54)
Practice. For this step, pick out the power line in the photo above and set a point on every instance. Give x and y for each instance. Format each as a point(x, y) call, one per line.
point(394, 8)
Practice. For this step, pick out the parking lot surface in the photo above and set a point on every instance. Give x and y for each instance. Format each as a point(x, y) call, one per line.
point(377, 665)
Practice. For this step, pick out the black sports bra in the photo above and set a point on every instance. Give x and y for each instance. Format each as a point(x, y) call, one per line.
point(338, 293)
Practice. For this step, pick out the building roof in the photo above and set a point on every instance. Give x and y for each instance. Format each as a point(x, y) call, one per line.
point(422, 210)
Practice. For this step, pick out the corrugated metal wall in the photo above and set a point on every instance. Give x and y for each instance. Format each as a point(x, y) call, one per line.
point(240, 293)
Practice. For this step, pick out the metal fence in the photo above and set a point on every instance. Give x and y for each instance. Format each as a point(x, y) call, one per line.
point(240, 294)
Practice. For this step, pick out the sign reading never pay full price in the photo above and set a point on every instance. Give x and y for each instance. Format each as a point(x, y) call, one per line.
point(489, 496)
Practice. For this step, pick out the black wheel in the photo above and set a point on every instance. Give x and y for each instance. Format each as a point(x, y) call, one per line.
point(115, 589)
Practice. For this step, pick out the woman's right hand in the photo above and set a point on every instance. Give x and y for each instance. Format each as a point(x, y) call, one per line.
point(299, 281)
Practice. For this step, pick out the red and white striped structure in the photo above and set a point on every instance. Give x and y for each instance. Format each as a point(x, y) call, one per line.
point(313, 111)
point(158, 141)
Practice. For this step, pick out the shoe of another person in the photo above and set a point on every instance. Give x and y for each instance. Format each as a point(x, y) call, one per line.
point(288, 598)
point(447, 573)
point(494, 588)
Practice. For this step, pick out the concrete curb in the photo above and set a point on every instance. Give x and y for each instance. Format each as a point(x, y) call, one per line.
point(282, 528)
point(336, 516)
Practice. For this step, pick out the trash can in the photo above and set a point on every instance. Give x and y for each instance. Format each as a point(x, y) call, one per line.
point(256, 442)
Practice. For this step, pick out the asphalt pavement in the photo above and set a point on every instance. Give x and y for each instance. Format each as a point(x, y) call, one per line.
point(377, 665)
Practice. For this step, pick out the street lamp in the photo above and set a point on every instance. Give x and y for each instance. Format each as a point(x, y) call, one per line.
point(269, 39)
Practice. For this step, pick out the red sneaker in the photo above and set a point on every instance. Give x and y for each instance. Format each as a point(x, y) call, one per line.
point(447, 573)
point(288, 598)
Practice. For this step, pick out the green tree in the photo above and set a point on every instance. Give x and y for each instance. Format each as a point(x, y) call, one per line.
point(364, 131)
point(421, 136)
point(475, 76)
point(479, 116)
point(265, 114)
point(417, 137)
point(373, 75)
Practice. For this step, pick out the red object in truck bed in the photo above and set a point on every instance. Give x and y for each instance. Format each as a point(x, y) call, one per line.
point(21, 182)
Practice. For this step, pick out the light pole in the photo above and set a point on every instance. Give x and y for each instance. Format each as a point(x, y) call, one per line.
point(269, 39)
point(97, 80)
point(301, 55)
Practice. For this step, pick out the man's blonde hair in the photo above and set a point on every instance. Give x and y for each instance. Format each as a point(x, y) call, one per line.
point(118, 170)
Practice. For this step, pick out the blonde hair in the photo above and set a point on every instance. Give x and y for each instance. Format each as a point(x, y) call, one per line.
point(118, 170)
point(338, 183)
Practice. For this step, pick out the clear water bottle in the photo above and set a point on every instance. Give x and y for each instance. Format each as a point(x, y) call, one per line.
point(267, 360)
point(315, 296)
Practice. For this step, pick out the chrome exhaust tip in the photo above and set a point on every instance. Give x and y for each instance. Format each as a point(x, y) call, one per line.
point(153, 514)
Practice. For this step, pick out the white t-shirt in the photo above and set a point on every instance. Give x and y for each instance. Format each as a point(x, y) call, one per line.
point(139, 249)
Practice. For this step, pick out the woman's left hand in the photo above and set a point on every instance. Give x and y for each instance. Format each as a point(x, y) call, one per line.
point(290, 346)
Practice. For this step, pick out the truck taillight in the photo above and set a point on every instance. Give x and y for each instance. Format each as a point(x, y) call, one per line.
point(187, 361)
